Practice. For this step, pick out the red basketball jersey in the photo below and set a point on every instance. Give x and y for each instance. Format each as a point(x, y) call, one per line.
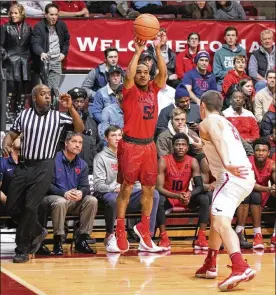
point(262, 176)
point(140, 111)
point(178, 175)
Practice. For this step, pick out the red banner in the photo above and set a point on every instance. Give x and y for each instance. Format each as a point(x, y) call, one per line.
point(90, 37)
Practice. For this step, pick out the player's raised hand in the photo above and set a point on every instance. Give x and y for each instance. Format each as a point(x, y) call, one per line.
point(157, 40)
point(239, 171)
point(66, 100)
point(139, 45)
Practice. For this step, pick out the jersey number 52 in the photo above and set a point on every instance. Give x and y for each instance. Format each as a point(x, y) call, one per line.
point(148, 112)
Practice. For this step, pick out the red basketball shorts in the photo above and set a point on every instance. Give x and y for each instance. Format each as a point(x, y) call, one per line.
point(137, 163)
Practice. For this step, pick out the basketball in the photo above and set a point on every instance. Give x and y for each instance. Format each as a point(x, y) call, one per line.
point(146, 27)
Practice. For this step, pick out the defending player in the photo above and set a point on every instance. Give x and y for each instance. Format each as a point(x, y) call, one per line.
point(234, 182)
point(137, 157)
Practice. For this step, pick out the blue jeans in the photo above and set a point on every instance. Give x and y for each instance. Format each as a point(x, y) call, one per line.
point(134, 205)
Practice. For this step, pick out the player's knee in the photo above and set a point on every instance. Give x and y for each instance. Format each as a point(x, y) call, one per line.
point(255, 198)
point(203, 200)
point(220, 223)
point(148, 190)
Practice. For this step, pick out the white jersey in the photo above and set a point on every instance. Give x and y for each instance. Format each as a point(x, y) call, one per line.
point(237, 154)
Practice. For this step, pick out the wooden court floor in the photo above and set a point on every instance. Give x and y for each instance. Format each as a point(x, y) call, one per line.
point(131, 274)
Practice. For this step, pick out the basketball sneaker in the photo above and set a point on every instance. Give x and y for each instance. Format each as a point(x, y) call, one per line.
point(273, 241)
point(201, 243)
point(240, 273)
point(164, 241)
point(144, 235)
point(258, 242)
point(111, 244)
point(122, 241)
point(208, 270)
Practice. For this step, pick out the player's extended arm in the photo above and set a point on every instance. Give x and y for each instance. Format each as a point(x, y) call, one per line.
point(161, 181)
point(197, 179)
point(139, 46)
point(214, 131)
point(160, 78)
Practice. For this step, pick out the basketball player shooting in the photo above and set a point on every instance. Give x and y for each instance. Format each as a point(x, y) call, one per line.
point(234, 182)
point(137, 157)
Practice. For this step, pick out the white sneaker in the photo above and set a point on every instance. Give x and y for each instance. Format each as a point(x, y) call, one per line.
point(111, 244)
point(154, 248)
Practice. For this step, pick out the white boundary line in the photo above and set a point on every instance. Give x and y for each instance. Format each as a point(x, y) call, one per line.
point(22, 282)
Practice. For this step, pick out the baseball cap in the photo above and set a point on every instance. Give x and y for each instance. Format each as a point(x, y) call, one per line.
point(77, 92)
point(114, 69)
point(145, 54)
point(201, 54)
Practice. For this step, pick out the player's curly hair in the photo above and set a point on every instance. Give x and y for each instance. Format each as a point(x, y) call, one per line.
point(180, 135)
point(261, 141)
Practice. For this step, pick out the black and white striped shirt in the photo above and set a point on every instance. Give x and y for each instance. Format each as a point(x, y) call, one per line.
point(39, 133)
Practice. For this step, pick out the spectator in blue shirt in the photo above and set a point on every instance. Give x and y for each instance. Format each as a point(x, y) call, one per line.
point(113, 114)
point(106, 95)
point(157, 7)
point(199, 80)
point(70, 193)
point(7, 167)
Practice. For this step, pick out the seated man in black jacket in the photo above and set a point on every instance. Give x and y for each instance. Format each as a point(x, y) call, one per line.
point(70, 193)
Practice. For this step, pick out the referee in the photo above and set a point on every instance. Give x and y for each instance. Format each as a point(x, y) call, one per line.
point(40, 128)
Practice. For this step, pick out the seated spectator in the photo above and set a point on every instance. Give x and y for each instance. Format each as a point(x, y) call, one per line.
point(112, 115)
point(232, 10)
point(182, 101)
point(69, 193)
point(224, 57)
point(198, 10)
point(157, 7)
point(247, 88)
point(265, 97)
point(169, 57)
point(34, 8)
point(241, 118)
point(234, 76)
point(199, 80)
point(124, 10)
point(262, 60)
point(91, 139)
point(7, 168)
point(147, 58)
point(269, 121)
point(102, 7)
point(175, 172)
point(107, 188)
point(106, 95)
point(265, 171)
point(177, 124)
point(97, 77)
point(185, 59)
point(72, 8)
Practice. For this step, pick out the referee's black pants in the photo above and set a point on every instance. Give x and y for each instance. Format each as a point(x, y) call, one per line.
point(29, 185)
